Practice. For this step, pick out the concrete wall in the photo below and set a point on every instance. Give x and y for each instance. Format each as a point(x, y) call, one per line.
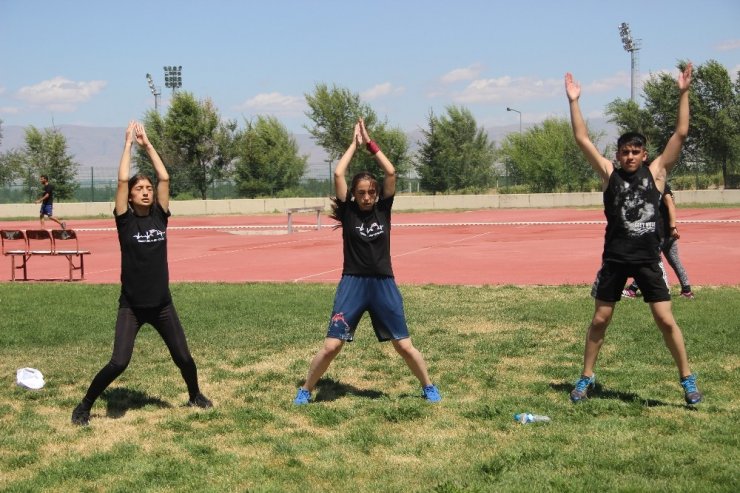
point(403, 202)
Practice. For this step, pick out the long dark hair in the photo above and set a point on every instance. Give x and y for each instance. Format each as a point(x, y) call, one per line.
point(140, 177)
point(362, 175)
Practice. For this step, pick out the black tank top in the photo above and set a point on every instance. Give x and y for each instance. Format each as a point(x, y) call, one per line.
point(633, 221)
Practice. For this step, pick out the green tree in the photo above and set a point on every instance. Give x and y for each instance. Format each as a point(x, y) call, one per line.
point(713, 143)
point(334, 112)
point(455, 154)
point(46, 153)
point(547, 158)
point(267, 159)
point(8, 170)
point(432, 169)
point(194, 143)
point(716, 117)
point(11, 164)
point(629, 117)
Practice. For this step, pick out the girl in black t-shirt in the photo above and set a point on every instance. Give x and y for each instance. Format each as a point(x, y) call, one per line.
point(141, 220)
point(367, 282)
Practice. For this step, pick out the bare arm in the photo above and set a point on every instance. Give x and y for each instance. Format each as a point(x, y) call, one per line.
point(663, 164)
point(340, 172)
point(163, 178)
point(599, 163)
point(124, 170)
point(389, 182)
point(671, 212)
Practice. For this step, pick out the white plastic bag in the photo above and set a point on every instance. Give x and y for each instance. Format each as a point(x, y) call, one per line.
point(29, 378)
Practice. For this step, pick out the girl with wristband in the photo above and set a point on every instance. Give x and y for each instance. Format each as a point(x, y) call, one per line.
point(141, 215)
point(367, 282)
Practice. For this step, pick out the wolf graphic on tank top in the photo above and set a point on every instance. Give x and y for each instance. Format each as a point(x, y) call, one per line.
point(634, 225)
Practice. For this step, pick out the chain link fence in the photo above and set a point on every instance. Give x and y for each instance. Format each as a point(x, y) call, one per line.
point(99, 185)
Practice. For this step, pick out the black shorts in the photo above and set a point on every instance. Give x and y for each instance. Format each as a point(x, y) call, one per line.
point(612, 276)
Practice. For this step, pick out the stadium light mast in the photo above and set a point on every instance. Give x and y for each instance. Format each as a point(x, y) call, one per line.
point(632, 46)
point(173, 77)
point(520, 117)
point(156, 91)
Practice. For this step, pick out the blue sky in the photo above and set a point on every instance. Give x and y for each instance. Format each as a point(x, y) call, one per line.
point(84, 62)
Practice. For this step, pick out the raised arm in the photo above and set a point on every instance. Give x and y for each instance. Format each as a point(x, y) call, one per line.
point(668, 159)
point(124, 170)
point(599, 163)
point(340, 172)
point(163, 178)
point(389, 182)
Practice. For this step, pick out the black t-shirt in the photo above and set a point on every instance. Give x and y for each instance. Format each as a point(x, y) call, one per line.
point(48, 188)
point(367, 238)
point(144, 271)
point(633, 221)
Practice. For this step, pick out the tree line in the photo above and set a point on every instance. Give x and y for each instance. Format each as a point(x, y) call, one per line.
point(454, 155)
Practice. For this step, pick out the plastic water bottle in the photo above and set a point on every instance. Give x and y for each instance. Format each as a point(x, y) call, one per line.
point(525, 418)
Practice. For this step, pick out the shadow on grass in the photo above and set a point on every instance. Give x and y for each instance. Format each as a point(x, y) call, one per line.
point(600, 392)
point(329, 390)
point(121, 400)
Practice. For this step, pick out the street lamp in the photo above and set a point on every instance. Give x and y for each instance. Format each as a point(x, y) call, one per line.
point(156, 91)
point(520, 118)
point(632, 46)
point(173, 77)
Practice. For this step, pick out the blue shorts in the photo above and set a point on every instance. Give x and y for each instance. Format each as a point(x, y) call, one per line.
point(45, 210)
point(651, 278)
point(378, 296)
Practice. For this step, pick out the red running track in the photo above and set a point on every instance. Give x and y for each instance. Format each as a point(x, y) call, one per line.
point(492, 246)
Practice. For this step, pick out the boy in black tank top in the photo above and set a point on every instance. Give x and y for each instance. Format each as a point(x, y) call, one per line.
point(632, 196)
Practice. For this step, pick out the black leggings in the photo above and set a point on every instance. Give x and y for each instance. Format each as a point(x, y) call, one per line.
point(164, 319)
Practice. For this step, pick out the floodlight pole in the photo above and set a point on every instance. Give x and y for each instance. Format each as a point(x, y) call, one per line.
point(156, 91)
point(520, 117)
point(632, 46)
point(173, 77)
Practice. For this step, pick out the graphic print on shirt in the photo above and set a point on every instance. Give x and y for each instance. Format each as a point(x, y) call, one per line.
point(370, 231)
point(151, 236)
point(636, 211)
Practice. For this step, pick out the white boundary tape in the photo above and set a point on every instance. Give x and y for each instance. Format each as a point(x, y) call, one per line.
point(227, 228)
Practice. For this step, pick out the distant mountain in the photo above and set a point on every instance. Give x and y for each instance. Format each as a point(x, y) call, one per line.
point(100, 147)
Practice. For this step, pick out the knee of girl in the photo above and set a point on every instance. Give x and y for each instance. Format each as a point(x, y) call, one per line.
point(118, 367)
point(405, 348)
point(184, 361)
point(332, 350)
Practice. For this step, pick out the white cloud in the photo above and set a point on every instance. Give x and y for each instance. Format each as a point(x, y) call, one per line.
point(618, 80)
point(60, 94)
point(508, 89)
point(2, 89)
point(458, 74)
point(273, 103)
point(9, 110)
point(380, 90)
point(728, 45)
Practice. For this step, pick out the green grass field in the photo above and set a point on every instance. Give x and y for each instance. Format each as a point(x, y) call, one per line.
point(493, 351)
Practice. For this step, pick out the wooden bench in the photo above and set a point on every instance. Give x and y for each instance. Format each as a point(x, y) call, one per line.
point(43, 242)
point(317, 208)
